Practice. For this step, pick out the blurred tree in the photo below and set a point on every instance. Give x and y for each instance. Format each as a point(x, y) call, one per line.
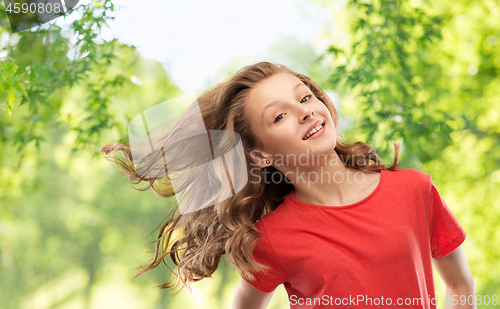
point(382, 68)
point(39, 64)
point(62, 211)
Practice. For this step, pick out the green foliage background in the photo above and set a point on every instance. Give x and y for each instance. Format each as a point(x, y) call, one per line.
point(72, 229)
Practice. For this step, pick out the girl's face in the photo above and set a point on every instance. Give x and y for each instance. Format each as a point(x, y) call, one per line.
point(282, 110)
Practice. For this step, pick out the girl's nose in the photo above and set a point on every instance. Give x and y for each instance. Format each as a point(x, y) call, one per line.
point(308, 113)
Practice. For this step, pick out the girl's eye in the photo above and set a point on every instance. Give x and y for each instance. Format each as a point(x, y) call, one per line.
point(307, 96)
point(301, 101)
point(276, 120)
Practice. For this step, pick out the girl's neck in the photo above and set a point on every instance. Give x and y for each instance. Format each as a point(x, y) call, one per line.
point(332, 183)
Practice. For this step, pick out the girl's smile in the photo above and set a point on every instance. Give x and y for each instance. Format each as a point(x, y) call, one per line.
point(315, 132)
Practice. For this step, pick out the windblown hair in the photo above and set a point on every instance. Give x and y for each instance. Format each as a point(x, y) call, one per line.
point(197, 240)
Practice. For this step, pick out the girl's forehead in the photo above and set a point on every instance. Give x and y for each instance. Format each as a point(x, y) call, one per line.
point(273, 87)
point(280, 80)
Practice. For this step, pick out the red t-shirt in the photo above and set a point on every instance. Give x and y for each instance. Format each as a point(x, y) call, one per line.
point(379, 248)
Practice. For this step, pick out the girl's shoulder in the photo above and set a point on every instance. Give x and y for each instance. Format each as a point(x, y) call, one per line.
point(271, 218)
point(410, 173)
point(409, 177)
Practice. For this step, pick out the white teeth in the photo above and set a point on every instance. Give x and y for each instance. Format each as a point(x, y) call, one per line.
point(314, 130)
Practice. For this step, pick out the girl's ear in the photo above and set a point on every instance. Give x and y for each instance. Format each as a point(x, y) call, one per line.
point(259, 158)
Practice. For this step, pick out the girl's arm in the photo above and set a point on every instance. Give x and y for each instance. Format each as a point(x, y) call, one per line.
point(457, 276)
point(247, 296)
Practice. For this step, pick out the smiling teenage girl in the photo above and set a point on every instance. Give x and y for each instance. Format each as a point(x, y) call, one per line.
point(326, 219)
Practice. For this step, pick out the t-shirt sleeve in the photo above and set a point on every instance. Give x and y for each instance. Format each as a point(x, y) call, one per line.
point(447, 233)
point(266, 281)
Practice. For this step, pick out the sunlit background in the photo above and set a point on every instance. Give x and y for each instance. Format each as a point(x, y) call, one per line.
point(195, 40)
point(73, 230)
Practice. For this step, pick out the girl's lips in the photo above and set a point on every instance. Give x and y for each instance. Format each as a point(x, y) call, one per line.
point(318, 133)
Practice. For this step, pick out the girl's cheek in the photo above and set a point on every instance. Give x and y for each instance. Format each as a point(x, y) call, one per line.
point(283, 133)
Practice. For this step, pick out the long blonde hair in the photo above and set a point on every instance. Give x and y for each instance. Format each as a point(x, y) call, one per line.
point(196, 241)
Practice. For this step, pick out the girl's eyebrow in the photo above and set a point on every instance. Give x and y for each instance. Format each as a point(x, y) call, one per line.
point(276, 101)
